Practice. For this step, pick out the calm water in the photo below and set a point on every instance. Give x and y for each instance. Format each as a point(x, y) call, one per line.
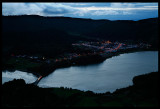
point(9, 76)
point(113, 73)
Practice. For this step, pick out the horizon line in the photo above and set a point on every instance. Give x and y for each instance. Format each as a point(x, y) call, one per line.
point(76, 17)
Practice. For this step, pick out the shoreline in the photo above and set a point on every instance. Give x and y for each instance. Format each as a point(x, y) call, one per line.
point(69, 64)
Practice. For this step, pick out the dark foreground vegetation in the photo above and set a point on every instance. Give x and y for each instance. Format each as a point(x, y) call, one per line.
point(143, 93)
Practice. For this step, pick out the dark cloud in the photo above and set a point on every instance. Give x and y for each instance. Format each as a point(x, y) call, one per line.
point(53, 10)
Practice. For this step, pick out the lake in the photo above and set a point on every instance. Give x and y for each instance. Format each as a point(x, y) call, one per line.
point(114, 73)
point(9, 76)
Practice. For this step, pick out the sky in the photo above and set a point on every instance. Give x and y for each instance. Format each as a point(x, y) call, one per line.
point(103, 10)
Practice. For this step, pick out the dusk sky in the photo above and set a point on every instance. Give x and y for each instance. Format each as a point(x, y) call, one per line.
point(104, 10)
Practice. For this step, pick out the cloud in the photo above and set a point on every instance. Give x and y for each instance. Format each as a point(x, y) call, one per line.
point(55, 11)
point(111, 12)
point(19, 9)
point(35, 8)
point(55, 8)
point(80, 9)
point(116, 9)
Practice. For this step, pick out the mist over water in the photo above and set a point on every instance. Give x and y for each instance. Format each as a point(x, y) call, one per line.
point(114, 73)
point(9, 76)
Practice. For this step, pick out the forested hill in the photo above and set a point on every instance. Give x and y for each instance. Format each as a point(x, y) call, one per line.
point(53, 35)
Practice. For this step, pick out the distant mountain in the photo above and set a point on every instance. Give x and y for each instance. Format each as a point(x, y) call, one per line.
point(52, 35)
point(142, 30)
point(36, 23)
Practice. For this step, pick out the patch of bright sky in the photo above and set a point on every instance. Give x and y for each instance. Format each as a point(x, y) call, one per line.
point(103, 10)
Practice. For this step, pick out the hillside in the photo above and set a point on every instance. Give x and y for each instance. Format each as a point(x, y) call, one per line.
point(51, 36)
point(143, 30)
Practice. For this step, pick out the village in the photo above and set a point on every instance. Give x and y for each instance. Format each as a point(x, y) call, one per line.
point(102, 48)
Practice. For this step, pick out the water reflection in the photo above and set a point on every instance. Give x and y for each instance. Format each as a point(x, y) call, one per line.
point(113, 73)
